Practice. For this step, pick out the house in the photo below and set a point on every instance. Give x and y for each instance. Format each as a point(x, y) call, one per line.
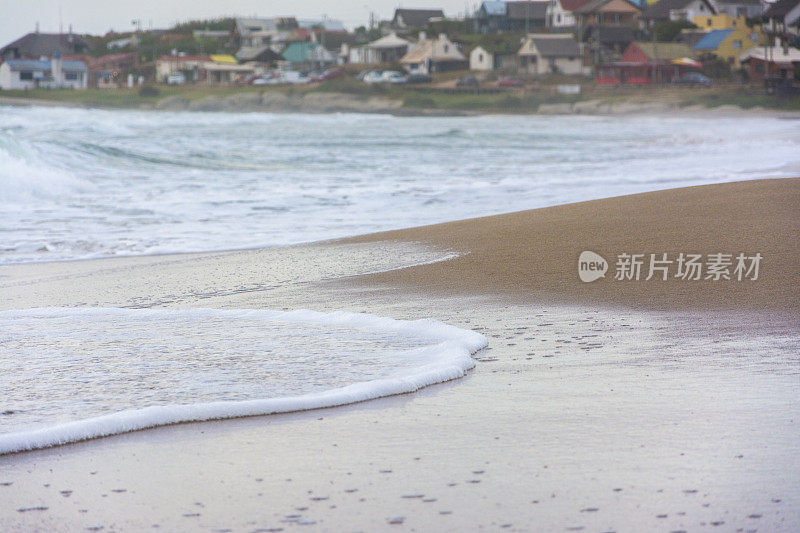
point(783, 17)
point(491, 17)
point(52, 73)
point(433, 55)
point(337, 43)
point(308, 56)
point(415, 19)
point(254, 31)
point(493, 56)
point(324, 24)
point(727, 45)
point(192, 66)
point(35, 45)
point(607, 13)
point(110, 70)
point(559, 13)
point(607, 43)
point(722, 21)
point(774, 62)
point(124, 42)
point(666, 10)
point(223, 69)
point(546, 53)
point(739, 8)
point(648, 62)
point(387, 49)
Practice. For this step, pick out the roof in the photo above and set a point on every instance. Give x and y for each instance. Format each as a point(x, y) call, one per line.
point(742, 2)
point(36, 64)
point(248, 26)
point(225, 59)
point(494, 9)
point(524, 10)
point(712, 40)
point(36, 45)
point(426, 49)
point(776, 54)
point(556, 46)
point(325, 24)
point(417, 18)
point(257, 53)
point(572, 5)
point(389, 41)
point(664, 50)
point(333, 40)
point(597, 5)
point(781, 8)
point(662, 8)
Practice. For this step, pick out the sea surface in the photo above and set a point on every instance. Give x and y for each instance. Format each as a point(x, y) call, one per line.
point(78, 184)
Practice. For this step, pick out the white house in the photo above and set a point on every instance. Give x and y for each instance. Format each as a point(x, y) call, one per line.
point(486, 58)
point(48, 73)
point(433, 55)
point(547, 53)
point(559, 13)
point(387, 49)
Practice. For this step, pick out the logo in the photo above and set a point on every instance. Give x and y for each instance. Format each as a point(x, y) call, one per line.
point(591, 267)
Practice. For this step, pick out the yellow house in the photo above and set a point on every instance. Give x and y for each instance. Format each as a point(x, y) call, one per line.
point(723, 21)
point(727, 44)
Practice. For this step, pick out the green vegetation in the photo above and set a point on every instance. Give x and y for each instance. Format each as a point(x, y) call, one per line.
point(667, 31)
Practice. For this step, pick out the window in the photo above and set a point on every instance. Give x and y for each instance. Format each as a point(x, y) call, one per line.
point(480, 58)
point(446, 48)
point(71, 76)
point(26, 75)
point(737, 44)
point(708, 22)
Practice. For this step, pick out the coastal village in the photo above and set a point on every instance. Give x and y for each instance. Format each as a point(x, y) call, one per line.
point(513, 46)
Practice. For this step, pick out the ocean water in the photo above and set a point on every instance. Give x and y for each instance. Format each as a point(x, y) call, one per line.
point(91, 183)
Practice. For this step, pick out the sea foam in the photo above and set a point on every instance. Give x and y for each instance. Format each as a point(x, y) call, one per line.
point(389, 356)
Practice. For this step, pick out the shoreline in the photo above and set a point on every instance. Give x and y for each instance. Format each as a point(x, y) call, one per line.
point(333, 102)
point(587, 410)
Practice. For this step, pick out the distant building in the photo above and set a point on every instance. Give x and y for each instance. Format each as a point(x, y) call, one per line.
point(739, 8)
point(387, 49)
point(258, 54)
point(36, 45)
point(608, 13)
point(722, 21)
point(325, 24)
point(645, 63)
point(512, 16)
point(666, 10)
point(560, 13)
point(775, 62)
point(784, 17)
point(495, 56)
point(415, 19)
point(52, 73)
point(548, 53)
point(307, 55)
point(727, 45)
point(433, 55)
point(255, 32)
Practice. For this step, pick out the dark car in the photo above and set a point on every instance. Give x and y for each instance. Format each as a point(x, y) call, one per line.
point(330, 74)
point(693, 79)
point(418, 78)
point(467, 81)
point(510, 82)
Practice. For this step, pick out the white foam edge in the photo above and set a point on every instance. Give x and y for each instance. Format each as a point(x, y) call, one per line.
point(451, 359)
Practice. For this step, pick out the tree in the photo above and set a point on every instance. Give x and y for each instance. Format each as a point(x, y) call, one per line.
point(668, 30)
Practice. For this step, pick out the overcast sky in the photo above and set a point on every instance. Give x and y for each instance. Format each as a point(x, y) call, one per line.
point(18, 17)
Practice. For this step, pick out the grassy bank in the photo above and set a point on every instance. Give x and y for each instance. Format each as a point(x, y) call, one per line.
point(431, 98)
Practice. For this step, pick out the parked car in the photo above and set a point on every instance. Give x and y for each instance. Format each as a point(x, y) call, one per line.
point(418, 78)
point(510, 82)
point(373, 76)
point(392, 76)
point(468, 81)
point(693, 79)
point(176, 78)
point(330, 74)
point(364, 73)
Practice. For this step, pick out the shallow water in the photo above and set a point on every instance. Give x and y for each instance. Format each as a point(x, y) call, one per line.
point(68, 374)
point(90, 183)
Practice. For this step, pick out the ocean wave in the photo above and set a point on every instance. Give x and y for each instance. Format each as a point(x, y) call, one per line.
point(441, 353)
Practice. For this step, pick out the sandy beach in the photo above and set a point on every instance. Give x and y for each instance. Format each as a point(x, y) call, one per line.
point(615, 405)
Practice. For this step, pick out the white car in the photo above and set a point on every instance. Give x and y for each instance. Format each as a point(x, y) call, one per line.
point(176, 78)
point(373, 77)
point(392, 76)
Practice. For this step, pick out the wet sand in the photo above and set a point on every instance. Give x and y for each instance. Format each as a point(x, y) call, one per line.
point(595, 408)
